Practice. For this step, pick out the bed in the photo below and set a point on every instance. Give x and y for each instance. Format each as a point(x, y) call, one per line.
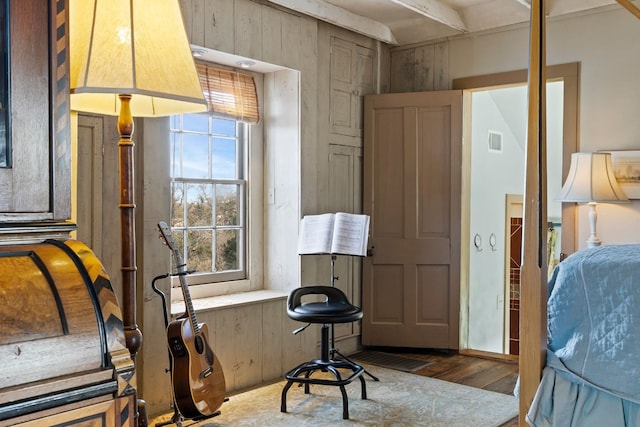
point(592, 371)
point(585, 382)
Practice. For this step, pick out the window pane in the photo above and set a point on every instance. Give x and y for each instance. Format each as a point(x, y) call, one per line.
point(175, 122)
point(227, 204)
point(176, 166)
point(199, 250)
point(199, 206)
point(195, 156)
point(224, 127)
point(178, 238)
point(226, 250)
point(224, 159)
point(177, 208)
point(196, 122)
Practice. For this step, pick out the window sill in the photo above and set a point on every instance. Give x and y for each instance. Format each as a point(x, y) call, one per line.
point(230, 300)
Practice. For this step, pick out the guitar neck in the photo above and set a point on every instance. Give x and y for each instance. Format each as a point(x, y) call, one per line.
point(182, 275)
point(182, 272)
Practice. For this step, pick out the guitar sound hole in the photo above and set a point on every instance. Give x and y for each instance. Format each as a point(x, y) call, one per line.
point(199, 344)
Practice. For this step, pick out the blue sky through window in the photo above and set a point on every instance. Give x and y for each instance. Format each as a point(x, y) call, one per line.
point(207, 153)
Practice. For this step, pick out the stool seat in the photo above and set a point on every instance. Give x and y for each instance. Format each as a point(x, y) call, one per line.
point(334, 309)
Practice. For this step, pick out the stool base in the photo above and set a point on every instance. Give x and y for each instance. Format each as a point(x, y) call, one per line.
point(302, 374)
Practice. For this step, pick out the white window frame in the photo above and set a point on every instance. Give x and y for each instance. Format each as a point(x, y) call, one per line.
point(254, 207)
point(200, 277)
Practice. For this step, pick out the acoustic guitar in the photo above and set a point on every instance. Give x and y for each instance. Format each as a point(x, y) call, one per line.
point(196, 373)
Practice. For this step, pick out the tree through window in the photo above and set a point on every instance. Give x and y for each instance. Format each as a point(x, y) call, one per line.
point(208, 187)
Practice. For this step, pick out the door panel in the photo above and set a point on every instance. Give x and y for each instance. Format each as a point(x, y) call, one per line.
point(353, 75)
point(412, 175)
point(388, 306)
point(33, 167)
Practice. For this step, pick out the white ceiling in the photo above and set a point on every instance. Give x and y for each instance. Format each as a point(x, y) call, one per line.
point(402, 22)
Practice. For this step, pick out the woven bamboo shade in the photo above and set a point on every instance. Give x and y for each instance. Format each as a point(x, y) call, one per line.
point(229, 93)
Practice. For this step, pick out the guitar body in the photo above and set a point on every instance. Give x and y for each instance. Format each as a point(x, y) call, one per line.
point(197, 377)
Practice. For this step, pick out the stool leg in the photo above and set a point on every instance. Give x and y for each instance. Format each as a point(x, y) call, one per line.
point(345, 403)
point(283, 399)
point(335, 372)
point(363, 385)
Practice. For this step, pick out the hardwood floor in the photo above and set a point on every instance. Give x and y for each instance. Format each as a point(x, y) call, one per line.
point(481, 372)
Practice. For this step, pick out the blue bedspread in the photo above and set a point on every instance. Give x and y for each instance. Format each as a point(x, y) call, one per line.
point(593, 348)
point(594, 318)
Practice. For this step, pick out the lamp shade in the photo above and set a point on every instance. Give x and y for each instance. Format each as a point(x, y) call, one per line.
point(591, 179)
point(136, 47)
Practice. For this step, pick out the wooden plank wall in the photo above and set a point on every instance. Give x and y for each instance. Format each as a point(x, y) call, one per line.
point(420, 68)
point(254, 341)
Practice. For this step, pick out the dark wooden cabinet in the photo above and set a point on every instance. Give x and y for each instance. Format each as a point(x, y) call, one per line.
point(106, 413)
point(62, 346)
point(62, 343)
point(35, 185)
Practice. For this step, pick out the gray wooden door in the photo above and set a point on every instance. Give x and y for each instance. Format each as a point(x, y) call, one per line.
point(412, 191)
point(89, 182)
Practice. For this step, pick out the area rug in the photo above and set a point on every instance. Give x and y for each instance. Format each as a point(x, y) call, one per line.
point(398, 399)
point(388, 360)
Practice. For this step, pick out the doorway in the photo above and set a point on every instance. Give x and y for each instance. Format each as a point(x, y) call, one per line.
point(493, 181)
point(420, 296)
point(498, 142)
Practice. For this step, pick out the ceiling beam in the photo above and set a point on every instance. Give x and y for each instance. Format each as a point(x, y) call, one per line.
point(630, 7)
point(341, 17)
point(434, 9)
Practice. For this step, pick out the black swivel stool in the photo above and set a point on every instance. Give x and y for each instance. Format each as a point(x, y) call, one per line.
point(334, 309)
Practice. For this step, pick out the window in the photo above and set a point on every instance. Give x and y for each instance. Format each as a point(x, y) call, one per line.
point(209, 196)
point(217, 185)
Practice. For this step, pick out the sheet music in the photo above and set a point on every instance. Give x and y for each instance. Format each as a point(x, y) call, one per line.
point(316, 233)
point(340, 233)
point(350, 234)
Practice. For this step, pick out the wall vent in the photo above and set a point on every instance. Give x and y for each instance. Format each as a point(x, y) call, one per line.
point(495, 141)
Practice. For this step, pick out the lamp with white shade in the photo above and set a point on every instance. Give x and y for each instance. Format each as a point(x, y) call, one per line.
point(591, 180)
point(130, 58)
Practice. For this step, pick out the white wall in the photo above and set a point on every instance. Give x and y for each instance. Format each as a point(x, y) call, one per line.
point(282, 179)
point(605, 43)
point(493, 175)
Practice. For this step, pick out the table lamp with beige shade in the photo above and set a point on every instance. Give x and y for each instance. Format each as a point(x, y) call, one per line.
point(591, 180)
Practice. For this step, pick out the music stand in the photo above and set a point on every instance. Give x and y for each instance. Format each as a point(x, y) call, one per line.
point(335, 234)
